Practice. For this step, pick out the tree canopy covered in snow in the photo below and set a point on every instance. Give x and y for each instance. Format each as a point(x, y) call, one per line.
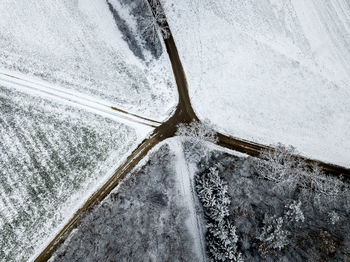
point(278, 208)
point(142, 220)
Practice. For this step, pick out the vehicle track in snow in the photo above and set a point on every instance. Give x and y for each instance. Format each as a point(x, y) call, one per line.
point(184, 114)
point(23, 83)
point(186, 187)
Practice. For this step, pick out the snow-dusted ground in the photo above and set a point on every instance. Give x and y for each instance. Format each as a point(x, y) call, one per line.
point(52, 157)
point(271, 70)
point(83, 45)
point(63, 64)
point(187, 194)
point(95, 105)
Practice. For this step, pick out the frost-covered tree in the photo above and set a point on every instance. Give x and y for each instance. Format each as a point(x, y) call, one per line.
point(289, 172)
point(197, 132)
point(294, 212)
point(222, 241)
point(334, 217)
point(156, 22)
point(221, 235)
point(273, 233)
point(319, 182)
point(212, 191)
point(194, 134)
point(279, 165)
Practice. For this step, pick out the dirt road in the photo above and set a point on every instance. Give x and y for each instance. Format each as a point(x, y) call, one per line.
point(255, 149)
point(184, 114)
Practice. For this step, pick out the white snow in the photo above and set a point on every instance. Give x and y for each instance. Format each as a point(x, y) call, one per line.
point(184, 179)
point(52, 157)
point(77, 45)
point(63, 64)
point(272, 71)
point(41, 88)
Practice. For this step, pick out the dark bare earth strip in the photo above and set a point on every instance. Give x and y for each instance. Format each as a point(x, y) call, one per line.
point(184, 114)
point(131, 114)
point(255, 149)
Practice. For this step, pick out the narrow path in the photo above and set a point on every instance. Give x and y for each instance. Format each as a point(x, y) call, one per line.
point(154, 122)
point(184, 114)
point(187, 193)
point(22, 82)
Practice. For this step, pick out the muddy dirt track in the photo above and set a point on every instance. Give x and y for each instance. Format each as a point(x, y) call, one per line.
point(184, 114)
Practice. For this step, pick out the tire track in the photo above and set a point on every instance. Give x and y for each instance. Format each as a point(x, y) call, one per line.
point(82, 100)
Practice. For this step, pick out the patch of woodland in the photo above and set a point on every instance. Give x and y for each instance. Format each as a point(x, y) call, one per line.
point(279, 209)
point(272, 208)
point(142, 220)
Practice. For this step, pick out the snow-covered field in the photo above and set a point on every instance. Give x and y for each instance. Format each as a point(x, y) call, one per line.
point(63, 64)
point(38, 87)
point(52, 157)
point(89, 46)
point(271, 70)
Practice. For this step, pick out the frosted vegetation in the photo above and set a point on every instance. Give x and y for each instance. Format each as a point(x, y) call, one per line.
point(51, 155)
point(195, 134)
point(141, 220)
point(95, 47)
point(276, 209)
point(221, 233)
point(271, 209)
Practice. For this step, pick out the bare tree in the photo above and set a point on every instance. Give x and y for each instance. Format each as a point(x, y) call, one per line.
point(282, 167)
point(197, 132)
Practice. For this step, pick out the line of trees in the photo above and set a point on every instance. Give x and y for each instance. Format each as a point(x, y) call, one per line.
point(288, 172)
point(221, 234)
point(275, 207)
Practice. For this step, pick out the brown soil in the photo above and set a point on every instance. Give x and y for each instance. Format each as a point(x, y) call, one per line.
point(141, 117)
point(184, 114)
